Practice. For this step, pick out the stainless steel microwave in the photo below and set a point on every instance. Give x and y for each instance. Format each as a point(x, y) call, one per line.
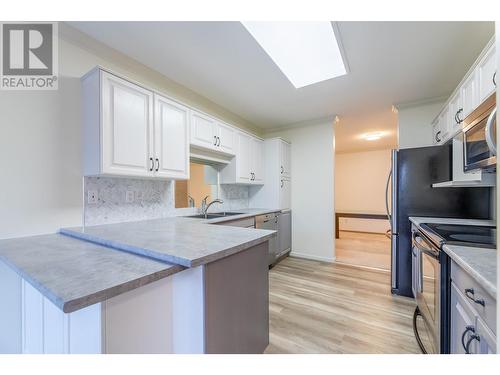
point(479, 131)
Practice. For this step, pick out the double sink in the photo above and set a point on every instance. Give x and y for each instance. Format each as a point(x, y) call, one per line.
point(215, 215)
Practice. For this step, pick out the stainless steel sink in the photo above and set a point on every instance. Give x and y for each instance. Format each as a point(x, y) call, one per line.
point(215, 215)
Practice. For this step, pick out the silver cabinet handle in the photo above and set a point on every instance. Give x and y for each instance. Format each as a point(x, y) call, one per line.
point(469, 293)
point(282, 169)
point(282, 183)
point(494, 79)
point(152, 164)
point(157, 164)
point(218, 142)
point(488, 132)
point(215, 140)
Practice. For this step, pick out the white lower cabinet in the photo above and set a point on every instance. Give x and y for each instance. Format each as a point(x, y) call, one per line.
point(472, 316)
point(131, 131)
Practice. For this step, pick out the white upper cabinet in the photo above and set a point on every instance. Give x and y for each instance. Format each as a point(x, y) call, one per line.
point(212, 135)
point(226, 138)
point(171, 134)
point(474, 89)
point(257, 161)
point(127, 126)
point(285, 159)
point(455, 113)
point(130, 131)
point(247, 167)
point(486, 71)
point(203, 131)
point(470, 95)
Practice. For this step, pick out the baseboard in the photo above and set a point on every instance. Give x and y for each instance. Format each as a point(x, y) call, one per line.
point(312, 257)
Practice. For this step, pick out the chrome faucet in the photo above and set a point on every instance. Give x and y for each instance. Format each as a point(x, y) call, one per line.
point(205, 206)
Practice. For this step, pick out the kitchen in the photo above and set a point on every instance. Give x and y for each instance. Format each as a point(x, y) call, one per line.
point(185, 207)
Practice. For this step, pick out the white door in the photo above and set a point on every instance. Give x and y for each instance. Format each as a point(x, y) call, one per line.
point(226, 139)
point(257, 156)
point(203, 131)
point(455, 113)
point(469, 94)
point(285, 166)
point(171, 139)
point(127, 126)
point(486, 74)
point(285, 194)
point(243, 158)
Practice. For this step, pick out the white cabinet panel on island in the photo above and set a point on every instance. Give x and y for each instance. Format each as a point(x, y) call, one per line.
point(131, 131)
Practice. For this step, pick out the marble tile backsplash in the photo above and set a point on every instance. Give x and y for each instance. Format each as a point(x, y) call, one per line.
point(152, 199)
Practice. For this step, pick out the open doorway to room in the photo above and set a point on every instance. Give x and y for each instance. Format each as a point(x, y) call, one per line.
point(363, 144)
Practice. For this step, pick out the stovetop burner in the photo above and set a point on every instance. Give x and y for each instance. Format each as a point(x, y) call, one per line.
point(456, 234)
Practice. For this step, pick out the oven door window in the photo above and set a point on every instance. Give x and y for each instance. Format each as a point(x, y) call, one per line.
point(476, 147)
point(430, 285)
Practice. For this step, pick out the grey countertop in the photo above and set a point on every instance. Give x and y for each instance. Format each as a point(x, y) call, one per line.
point(180, 240)
point(479, 263)
point(74, 274)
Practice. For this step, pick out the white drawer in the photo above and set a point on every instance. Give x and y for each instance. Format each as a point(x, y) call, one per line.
point(464, 282)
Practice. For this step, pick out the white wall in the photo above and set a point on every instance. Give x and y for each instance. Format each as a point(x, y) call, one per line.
point(312, 187)
point(414, 124)
point(360, 182)
point(40, 137)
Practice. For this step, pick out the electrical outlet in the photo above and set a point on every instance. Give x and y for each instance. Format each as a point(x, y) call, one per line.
point(139, 195)
point(92, 197)
point(129, 196)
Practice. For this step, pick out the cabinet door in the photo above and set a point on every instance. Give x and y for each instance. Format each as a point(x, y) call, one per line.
point(226, 141)
point(285, 167)
point(444, 124)
point(436, 132)
point(487, 343)
point(243, 158)
point(127, 127)
point(469, 94)
point(171, 139)
point(462, 323)
point(203, 131)
point(486, 70)
point(455, 114)
point(257, 156)
point(285, 194)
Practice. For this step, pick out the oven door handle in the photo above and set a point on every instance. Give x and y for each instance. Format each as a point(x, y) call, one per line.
point(488, 133)
point(432, 253)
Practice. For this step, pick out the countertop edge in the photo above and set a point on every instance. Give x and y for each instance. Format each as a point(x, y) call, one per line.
point(486, 284)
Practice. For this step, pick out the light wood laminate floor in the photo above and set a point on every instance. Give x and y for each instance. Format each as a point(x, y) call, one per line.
point(364, 249)
point(318, 307)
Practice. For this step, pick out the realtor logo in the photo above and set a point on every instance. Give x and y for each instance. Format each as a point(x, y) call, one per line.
point(29, 56)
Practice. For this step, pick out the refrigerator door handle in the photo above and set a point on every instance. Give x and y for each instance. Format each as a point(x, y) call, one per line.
point(387, 198)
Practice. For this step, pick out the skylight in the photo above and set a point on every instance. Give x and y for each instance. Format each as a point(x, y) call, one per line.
point(306, 52)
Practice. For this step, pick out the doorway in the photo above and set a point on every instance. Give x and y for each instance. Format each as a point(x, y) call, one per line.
point(363, 144)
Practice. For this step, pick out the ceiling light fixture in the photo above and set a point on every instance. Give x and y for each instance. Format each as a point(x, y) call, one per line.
point(306, 52)
point(373, 136)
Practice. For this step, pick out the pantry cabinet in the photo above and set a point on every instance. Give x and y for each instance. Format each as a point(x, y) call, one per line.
point(276, 192)
point(130, 131)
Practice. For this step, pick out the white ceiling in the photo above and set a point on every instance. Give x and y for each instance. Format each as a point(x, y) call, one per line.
point(389, 62)
point(350, 128)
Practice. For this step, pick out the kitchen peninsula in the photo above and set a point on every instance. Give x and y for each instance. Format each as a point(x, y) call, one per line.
point(155, 286)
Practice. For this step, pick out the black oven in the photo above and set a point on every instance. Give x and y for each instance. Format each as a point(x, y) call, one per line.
point(479, 132)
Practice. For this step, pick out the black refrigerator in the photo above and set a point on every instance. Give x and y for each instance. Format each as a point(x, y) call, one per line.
point(413, 171)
